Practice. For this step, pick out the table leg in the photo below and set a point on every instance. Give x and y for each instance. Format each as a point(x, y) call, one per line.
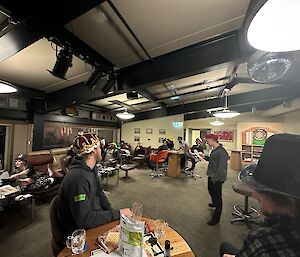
point(118, 176)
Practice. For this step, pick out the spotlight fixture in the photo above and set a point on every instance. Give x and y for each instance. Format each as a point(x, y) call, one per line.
point(63, 62)
point(132, 95)
point(273, 25)
point(267, 67)
point(125, 115)
point(6, 88)
point(216, 123)
point(226, 113)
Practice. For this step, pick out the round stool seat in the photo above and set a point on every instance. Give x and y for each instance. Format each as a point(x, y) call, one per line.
point(127, 167)
point(242, 189)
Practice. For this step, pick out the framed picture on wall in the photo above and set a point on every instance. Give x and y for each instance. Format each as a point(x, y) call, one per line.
point(137, 139)
point(162, 131)
point(161, 139)
point(149, 131)
point(137, 130)
point(225, 135)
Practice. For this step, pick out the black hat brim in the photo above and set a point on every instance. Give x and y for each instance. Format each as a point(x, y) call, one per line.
point(246, 176)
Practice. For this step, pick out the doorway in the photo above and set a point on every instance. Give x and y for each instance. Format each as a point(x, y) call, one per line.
point(2, 146)
point(197, 133)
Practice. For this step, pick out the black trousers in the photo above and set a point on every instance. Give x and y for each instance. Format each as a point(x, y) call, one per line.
point(226, 248)
point(215, 191)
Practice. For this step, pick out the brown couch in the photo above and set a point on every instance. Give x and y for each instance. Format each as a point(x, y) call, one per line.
point(59, 162)
point(51, 162)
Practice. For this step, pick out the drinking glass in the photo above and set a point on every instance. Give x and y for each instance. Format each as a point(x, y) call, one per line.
point(160, 228)
point(76, 242)
point(137, 211)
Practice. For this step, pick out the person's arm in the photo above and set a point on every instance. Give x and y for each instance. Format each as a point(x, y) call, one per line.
point(252, 245)
point(24, 172)
point(80, 205)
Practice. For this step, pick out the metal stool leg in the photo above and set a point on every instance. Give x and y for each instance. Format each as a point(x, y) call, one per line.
point(157, 173)
point(247, 215)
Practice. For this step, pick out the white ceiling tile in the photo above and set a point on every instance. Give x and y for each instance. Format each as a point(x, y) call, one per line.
point(29, 68)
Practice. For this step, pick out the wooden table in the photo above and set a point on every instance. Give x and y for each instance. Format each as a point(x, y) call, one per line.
point(181, 248)
point(236, 160)
point(174, 163)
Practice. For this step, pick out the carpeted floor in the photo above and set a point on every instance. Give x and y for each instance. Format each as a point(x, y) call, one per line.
point(181, 202)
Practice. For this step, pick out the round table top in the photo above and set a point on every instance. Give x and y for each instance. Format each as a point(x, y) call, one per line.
point(181, 248)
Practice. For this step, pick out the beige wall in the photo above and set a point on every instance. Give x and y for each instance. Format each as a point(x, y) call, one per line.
point(204, 124)
point(238, 124)
point(127, 130)
point(22, 139)
point(291, 122)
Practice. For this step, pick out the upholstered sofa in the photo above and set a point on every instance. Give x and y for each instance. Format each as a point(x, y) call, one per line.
point(52, 162)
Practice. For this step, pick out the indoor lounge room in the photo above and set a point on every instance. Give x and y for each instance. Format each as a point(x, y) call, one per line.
point(149, 128)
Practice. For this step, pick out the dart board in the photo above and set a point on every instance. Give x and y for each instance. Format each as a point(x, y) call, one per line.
point(259, 136)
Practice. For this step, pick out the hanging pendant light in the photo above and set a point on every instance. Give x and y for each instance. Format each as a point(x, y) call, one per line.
point(125, 115)
point(273, 26)
point(6, 88)
point(226, 113)
point(216, 123)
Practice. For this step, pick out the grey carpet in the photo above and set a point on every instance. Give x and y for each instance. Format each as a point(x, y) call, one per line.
point(181, 202)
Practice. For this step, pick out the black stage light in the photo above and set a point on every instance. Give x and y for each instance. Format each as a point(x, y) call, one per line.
point(63, 63)
point(132, 95)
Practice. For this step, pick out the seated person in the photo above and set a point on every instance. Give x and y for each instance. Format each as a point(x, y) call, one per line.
point(124, 145)
point(170, 144)
point(275, 181)
point(112, 154)
point(81, 202)
point(23, 172)
point(160, 148)
point(103, 147)
point(197, 149)
point(139, 150)
point(27, 177)
point(187, 154)
point(125, 150)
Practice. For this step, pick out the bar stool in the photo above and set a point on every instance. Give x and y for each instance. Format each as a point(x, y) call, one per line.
point(245, 213)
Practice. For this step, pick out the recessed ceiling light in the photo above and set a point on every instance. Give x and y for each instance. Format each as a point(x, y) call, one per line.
point(274, 28)
point(175, 97)
point(125, 115)
point(6, 88)
point(216, 123)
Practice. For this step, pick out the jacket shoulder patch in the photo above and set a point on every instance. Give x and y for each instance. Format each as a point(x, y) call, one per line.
point(79, 198)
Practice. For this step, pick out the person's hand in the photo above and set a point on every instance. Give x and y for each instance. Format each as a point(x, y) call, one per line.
point(228, 255)
point(15, 176)
point(127, 212)
point(202, 154)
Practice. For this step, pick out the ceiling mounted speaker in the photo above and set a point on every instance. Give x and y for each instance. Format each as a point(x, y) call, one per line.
point(266, 67)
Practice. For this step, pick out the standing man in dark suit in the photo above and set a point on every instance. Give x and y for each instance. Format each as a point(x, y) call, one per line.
point(217, 175)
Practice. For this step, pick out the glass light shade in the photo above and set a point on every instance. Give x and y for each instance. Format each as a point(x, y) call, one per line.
point(226, 114)
point(6, 88)
point(269, 67)
point(274, 28)
point(125, 115)
point(216, 123)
